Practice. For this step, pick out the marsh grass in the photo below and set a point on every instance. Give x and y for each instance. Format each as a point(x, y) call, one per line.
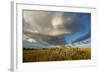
point(56, 54)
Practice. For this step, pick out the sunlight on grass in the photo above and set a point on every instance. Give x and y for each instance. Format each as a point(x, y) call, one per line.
point(56, 54)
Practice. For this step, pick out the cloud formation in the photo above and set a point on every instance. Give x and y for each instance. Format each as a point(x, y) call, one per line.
point(56, 27)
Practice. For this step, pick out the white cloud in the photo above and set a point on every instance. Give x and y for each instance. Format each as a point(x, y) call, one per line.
point(31, 40)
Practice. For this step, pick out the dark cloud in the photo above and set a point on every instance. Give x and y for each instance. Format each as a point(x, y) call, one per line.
point(56, 28)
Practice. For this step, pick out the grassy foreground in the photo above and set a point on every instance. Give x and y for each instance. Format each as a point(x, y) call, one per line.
point(56, 54)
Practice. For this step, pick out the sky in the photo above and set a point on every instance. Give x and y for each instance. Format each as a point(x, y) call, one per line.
point(49, 28)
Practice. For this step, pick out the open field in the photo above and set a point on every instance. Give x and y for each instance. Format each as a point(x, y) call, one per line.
point(56, 54)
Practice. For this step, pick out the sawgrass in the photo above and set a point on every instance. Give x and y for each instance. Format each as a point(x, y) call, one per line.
point(56, 54)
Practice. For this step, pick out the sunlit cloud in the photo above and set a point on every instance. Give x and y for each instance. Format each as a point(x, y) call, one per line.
point(31, 40)
point(56, 27)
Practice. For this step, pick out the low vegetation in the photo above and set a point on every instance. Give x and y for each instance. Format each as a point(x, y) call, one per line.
point(56, 54)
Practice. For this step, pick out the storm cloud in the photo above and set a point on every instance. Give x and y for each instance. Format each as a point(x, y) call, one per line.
point(54, 28)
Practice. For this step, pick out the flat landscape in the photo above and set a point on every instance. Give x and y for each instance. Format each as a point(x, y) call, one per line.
point(55, 54)
point(56, 36)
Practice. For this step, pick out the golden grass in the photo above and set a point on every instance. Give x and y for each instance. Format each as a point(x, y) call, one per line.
point(56, 54)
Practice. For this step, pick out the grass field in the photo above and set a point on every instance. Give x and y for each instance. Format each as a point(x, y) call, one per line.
point(56, 54)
